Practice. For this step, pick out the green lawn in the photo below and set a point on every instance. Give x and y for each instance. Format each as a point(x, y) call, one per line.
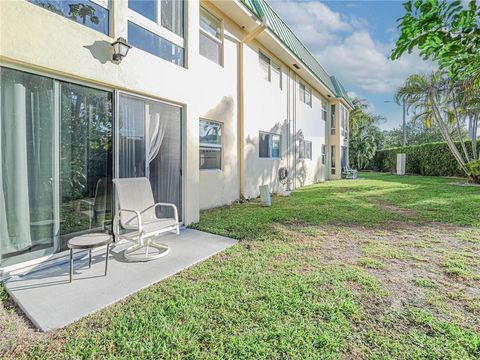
point(383, 267)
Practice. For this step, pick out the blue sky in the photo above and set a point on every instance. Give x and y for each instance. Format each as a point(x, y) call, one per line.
point(352, 40)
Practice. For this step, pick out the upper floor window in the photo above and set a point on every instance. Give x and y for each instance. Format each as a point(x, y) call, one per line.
point(269, 145)
point(343, 115)
point(332, 120)
point(211, 37)
point(271, 71)
point(210, 145)
point(305, 149)
point(91, 13)
point(324, 110)
point(305, 95)
point(156, 26)
point(165, 13)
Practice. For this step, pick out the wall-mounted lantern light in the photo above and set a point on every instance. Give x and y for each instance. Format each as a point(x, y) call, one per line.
point(120, 49)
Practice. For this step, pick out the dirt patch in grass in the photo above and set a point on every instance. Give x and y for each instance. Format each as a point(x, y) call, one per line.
point(426, 266)
point(382, 204)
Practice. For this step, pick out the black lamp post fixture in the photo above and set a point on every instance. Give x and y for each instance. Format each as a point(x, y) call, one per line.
point(120, 49)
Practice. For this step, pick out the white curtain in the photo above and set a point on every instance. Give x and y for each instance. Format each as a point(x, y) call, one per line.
point(165, 161)
point(158, 125)
point(15, 216)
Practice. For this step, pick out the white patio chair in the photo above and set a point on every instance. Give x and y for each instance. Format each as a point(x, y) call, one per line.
point(349, 173)
point(137, 215)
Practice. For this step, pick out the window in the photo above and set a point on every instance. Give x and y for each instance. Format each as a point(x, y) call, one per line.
point(305, 149)
point(156, 26)
point(324, 151)
point(153, 44)
point(210, 145)
point(69, 151)
point(332, 161)
point(332, 120)
point(342, 120)
point(211, 37)
point(271, 71)
point(147, 8)
point(269, 145)
point(94, 14)
point(324, 110)
point(305, 95)
point(276, 74)
point(264, 65)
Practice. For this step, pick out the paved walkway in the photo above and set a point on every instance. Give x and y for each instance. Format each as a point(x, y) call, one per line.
point(51, 302)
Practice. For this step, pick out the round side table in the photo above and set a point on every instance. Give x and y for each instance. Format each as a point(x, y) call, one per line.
point(88, 242)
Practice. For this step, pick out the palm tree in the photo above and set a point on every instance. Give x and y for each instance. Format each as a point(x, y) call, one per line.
point(365, 137)
point(435, 100)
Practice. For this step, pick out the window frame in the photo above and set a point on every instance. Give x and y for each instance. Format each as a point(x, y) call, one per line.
point(324, 110)
point(220, 41)
point(333, 163)
point(272, 66)
point(333, 119)
point(57, 251)
point(263, 57)
point(306, 90)
point(106, 4)
point(156, 27)
point(212, 146)
point(270, 145)
point(304, 144)
point(324, 154)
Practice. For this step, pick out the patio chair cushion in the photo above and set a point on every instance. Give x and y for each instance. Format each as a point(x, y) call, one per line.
point(135, 194)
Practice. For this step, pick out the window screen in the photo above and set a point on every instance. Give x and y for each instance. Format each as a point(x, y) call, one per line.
point(210, 145)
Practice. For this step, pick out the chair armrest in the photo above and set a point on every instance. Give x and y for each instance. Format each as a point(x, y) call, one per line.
point(175, 211)
point(117, 220)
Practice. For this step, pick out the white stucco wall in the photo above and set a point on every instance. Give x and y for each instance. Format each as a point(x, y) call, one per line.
point(52, 45)
point(218, 101)
point(310, 127)
point(266, 111)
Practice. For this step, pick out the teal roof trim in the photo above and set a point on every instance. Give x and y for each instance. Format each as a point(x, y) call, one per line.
point(340, 90)
point(262, 10)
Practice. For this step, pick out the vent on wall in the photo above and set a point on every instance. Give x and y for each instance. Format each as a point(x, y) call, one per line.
point(296, 66)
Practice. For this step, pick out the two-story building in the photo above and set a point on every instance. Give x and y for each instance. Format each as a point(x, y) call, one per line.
point(210, 102)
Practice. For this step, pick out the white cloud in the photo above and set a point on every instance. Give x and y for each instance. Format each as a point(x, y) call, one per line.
point(361, 61)
point(345, 46)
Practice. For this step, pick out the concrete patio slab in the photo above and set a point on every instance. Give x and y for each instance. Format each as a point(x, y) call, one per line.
point(51, 302)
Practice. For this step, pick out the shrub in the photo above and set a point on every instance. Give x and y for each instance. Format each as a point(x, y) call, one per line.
point(432, 159)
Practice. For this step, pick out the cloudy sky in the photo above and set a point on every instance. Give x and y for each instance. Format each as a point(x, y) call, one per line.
point(352, 40)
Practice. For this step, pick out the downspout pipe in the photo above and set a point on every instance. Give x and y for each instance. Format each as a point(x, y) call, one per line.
point(241, 102)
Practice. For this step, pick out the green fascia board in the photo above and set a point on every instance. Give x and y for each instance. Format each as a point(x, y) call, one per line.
point(340, 90)
point(263, 11)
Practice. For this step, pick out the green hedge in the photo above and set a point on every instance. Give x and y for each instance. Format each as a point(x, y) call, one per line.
point(434, 159)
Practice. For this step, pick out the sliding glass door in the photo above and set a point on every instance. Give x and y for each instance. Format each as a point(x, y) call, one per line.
point(55, 164)
point(150, 145)
point(27, 166)
point(85, 161)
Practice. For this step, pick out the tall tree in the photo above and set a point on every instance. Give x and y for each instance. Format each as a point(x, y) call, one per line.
point(446, 32)
point(438, 100)
point(365, 137)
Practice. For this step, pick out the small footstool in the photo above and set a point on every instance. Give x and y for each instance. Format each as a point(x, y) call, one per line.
point(88, 242)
